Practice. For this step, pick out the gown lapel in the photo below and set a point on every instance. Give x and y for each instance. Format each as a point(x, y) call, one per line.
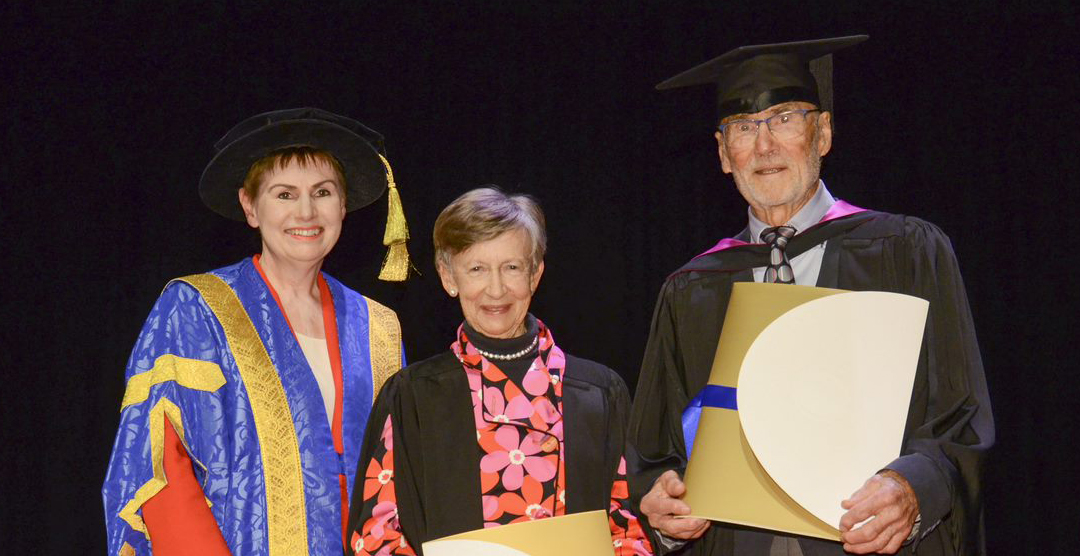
point(586, 443)
point(451, 479)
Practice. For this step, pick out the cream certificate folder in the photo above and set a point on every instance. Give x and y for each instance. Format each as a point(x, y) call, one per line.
point(823, 380)
point(583, 533)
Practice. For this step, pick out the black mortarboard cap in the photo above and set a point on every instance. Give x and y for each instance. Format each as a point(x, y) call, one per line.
point(752, 78)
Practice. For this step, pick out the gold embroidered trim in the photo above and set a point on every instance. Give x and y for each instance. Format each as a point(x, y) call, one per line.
point(164, 407)
point(286, 514)
point(384, 344)
point(189, 373)
point(127, 550)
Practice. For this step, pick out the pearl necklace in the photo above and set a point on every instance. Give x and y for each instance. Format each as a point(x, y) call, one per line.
point(510, 356)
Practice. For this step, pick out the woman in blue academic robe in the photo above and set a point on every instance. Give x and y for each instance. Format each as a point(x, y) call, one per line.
point(249, 386)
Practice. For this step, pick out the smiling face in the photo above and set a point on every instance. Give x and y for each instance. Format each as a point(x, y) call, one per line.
point(775, 176)
point(298, 210)
point(495, 282)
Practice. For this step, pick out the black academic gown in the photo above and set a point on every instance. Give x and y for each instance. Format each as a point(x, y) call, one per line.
point(949, 427)
point(437, 459)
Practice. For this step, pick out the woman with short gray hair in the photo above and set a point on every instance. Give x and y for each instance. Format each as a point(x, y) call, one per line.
point(504, 427)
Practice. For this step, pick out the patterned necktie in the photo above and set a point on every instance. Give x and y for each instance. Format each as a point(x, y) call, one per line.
point(779, 269)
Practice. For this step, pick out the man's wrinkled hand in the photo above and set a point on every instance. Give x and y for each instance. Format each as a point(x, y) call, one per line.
point(663, 504)
point(888, 499)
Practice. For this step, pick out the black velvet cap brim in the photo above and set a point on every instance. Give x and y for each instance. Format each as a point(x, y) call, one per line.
point(365, 174)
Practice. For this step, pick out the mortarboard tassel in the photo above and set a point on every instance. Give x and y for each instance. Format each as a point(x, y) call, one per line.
point(395, 267)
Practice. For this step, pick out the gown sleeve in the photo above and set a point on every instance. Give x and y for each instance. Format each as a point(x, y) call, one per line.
point(378, 530)
point(950, 426)
point(374, 527)
point(177, 519)
point(173, 376)
point(655, 433)
point(628, 538)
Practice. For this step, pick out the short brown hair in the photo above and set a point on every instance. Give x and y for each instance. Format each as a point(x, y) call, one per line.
point(486, 213)
point(278, 159)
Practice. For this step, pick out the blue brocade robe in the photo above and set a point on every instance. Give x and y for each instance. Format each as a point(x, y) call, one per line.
point(193, 365)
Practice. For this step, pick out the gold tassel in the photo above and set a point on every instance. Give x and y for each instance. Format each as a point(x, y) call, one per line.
point(395, 267)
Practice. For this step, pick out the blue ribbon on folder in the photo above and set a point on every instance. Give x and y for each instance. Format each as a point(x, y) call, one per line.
point(711, 395)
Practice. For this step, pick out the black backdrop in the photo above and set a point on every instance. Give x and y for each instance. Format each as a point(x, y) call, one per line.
point(963, 114)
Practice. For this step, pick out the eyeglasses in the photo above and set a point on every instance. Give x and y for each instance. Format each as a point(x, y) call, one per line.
point(785, 125)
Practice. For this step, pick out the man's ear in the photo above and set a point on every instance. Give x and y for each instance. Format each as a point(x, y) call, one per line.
point(725, 164)
point(824, 138)
point(249, 208)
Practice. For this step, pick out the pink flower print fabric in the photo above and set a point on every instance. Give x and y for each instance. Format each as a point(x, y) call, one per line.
point(381, 533)
point(519, 431)
point(627, 536)
point(501, 412)
point(514, 456)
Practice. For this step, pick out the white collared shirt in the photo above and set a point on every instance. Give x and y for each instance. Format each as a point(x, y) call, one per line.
point(807, 265)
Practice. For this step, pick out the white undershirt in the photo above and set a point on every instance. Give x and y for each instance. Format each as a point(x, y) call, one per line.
point(318, 358)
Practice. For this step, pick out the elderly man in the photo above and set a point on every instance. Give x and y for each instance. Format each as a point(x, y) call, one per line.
point(775, 125)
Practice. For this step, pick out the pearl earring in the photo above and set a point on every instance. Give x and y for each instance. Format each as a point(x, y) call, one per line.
point(453, 292)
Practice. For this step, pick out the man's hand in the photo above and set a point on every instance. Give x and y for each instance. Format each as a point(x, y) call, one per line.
point(888, 498)
point(663, 503)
